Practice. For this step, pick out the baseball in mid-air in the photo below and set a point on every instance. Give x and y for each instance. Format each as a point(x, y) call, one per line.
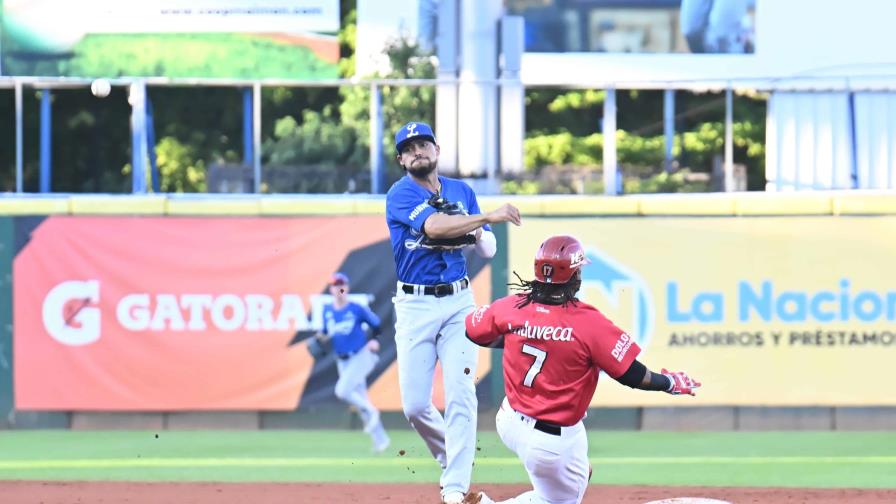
point(100, 88)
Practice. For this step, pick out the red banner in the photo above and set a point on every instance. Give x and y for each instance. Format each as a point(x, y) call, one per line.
point(172, 313)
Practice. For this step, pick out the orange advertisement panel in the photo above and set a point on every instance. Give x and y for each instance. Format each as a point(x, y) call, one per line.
point(134, 313)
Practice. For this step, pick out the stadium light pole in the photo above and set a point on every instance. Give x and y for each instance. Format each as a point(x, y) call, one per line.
point(256, 136)
point(729, 139)
point(46, 133)
point(446, 89)
point(669, 127)
point(139, 147)
point(512, 117)
point(376, 139)
point(248, 151)
point(19, 133)
point(477, 94)
point(608, 130)
point(154, 175)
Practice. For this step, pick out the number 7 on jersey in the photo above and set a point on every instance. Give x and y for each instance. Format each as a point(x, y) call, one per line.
point(540, 356)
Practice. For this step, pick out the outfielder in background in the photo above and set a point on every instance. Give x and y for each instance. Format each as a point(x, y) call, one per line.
point(555, 347)
point(431, 220)
point(356, 354)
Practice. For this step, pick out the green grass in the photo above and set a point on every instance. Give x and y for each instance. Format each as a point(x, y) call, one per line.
point(798, 459)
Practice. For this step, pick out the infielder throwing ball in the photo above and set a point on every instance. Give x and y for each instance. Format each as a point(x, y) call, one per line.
point(554, 349)
point(356, 354)
point(431, 219)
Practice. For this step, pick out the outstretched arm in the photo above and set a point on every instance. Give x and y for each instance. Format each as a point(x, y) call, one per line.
point(639, 377)
point(441, 225)
point(481, 328)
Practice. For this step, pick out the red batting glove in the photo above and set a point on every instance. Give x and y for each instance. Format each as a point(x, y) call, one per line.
point(681, 382)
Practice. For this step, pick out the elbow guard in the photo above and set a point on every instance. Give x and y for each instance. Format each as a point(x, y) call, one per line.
point(486, 246)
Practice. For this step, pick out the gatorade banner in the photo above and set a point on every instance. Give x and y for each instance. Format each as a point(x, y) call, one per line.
point(777, 311)
point(174, 313)
point(190, 314)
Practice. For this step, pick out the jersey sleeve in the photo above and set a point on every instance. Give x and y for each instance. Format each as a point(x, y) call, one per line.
point(324, 329)
point(408, 208)
point(367, 315)
point(473, 206)
point(481, 326)
point(613, 349)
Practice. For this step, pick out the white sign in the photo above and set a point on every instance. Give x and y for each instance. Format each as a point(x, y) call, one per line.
point(59, 25)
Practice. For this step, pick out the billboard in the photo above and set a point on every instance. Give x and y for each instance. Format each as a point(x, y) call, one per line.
point(247, 39)
point(638, 26)
point(774, 311)
point(604, 42)
point(170, 314)
point(189, 314)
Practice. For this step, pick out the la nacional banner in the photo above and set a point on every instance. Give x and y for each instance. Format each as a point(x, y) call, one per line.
point(777, 311)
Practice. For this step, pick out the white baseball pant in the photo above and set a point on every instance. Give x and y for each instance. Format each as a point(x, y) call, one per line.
point(557, 465)
point(352, 388)
point(429, 328)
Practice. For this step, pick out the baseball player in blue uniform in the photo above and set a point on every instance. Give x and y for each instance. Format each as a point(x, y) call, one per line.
point(356, 354)
point(431, 220)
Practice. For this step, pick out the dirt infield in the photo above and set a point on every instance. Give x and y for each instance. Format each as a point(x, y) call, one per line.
point(35, 492)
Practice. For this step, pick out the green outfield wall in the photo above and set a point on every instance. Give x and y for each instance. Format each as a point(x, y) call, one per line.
point(640, 219)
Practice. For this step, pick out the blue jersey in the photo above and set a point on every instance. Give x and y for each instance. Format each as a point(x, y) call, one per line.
point(407, 208)
point(343, 325)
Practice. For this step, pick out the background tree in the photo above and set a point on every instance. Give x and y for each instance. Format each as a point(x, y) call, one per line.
point(563, 129)
point(337, 136)
point(318, 137)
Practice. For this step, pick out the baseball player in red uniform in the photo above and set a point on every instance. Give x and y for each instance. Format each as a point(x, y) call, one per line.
point(554, 349)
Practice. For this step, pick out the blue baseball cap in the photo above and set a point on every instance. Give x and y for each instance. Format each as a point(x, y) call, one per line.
point(339, 279)
point(411, 131)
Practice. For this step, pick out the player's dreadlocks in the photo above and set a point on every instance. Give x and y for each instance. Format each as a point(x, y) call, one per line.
point(545, 293)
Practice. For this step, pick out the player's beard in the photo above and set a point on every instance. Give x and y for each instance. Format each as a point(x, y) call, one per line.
point(421, 168)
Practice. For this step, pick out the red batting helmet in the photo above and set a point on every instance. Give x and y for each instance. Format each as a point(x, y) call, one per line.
point(558, 258)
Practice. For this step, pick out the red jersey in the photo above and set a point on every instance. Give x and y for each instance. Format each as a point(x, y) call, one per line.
point(552, 354)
